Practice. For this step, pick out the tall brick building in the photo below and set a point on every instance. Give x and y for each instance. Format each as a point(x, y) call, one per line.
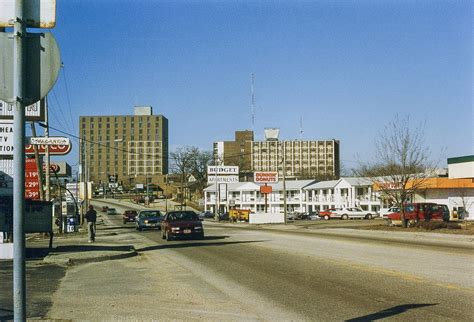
point(131, 148)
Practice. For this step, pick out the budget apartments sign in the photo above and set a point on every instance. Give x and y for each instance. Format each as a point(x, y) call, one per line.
point(222, 170)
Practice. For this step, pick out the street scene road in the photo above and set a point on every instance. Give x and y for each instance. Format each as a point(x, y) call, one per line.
point(244, 273)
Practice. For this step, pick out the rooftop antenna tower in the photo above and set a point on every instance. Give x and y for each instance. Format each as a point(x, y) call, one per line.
point(301, 128)
point(252, 108)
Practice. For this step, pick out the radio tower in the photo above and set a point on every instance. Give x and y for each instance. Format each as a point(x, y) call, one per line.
point(252, 108)
point(301, 128)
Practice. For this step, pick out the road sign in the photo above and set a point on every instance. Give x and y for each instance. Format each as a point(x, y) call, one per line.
point(33, 112)
point(37, 13)
point(222, 170)
point(52, 140)
point(222, 179)
point(42, 63)
point(6, 138)
point(265, 177)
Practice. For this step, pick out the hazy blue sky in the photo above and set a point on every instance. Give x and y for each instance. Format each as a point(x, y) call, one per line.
point(344, 68)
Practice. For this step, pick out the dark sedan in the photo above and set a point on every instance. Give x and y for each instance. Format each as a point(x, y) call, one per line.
point(181, 224)
point(148, 219)
point(129, 216)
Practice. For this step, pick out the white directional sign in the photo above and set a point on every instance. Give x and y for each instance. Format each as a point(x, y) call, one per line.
point(33, 112)
point(38, 13)
point(222, 170)
point(53, 140)
point(6, 137)
point(222, 179)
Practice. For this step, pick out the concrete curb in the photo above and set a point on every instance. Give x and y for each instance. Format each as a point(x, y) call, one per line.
point(71, 261)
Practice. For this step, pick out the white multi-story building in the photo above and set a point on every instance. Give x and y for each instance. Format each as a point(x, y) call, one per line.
point(345, 192)
point(246, 195)
point(301, 196)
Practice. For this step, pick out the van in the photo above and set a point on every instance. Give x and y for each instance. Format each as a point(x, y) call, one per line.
point(419, 211)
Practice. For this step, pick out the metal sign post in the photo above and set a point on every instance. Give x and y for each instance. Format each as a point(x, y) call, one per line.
point(19, 283)
point(39, 55)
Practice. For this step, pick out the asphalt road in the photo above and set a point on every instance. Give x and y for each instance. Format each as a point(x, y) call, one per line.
point(240, 274)
point(264, 275)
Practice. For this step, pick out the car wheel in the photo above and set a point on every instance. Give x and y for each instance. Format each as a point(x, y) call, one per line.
point(326, 217)
point(139, 228)
point(200, 236)
point(369, 216)
point(124, 222)
point(168, 236)
point(345, 217)
point(163, 236)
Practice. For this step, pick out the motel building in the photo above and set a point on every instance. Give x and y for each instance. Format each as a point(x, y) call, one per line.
point(301, 196)
point(455, 191)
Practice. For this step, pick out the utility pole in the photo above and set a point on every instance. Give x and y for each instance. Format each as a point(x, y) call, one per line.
point(19, 279)
point(47, 160)
point(284, 181)
point(216, 210)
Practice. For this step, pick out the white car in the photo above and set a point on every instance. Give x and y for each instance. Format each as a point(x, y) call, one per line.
point(353, 212)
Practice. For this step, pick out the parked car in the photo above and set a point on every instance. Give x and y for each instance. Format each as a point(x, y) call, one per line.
point(353, 212)
point(111, 211)
point(326, 214)
point(181, 224)
point(206, 214)
point(224, 216)
point(385, 211)
point(129, 216)
point(313, 215)
point(148, 219)
point(419, 211)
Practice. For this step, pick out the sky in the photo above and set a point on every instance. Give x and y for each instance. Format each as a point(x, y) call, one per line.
point(329, 69)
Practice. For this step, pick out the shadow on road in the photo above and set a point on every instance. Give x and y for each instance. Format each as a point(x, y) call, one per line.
point(36, 252)
point(91, 248)
point(194, 244)
point(388, 312)
point(115, 227)
point(5, 314)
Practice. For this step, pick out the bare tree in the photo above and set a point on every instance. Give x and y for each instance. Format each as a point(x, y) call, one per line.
point(182, 160)
point(199, 168)
point(190, 161)
point(402, 162)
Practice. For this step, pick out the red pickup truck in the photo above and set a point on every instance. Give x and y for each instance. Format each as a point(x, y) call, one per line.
point(419, 211)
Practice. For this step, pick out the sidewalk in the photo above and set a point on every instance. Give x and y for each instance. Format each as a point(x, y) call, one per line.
point(111, 243)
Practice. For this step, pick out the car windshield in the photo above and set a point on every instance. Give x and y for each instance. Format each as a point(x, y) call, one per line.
point(150, 214)
point(182, 216)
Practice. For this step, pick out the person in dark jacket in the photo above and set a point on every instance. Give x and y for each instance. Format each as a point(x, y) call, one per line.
point(91, 217)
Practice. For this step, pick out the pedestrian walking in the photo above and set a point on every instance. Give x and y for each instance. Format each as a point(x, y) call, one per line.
point(91, 217)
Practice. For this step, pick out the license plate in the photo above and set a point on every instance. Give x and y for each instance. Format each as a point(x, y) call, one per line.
point(187, 231)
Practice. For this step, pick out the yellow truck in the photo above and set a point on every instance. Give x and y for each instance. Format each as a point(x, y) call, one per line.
point(239, 215)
